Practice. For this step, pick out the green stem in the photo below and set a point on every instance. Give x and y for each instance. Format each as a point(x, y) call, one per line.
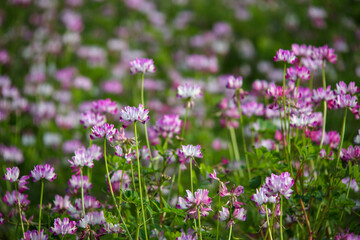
point(41, 198)
point(230, 231)
point(132, 175)
point(121, 183)
point(112, 192)
point(180, 189)
point(242, 134)
point(20, 214)
point(191, 176)
point(235, 147)
point(139, 177)
point(347, 195)
point(218, 217)
point(341, 138)
point(281, 216)
point(185, 119)
point(268, 222)
point(82, 192)
point(199, 217)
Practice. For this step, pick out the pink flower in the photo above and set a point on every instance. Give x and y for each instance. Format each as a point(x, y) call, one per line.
point(191, 151)
point(168, 125)
point(279, 184)
point(43, 172)
point(129, 115)
point(351, 154)
point(75, 182)
point(286, 56)
point(62, 203)
point(12, 174)
point(106, 130)
point(234, 83)
point(90, 119)
point(63, 227)
point(142, 65)
point(104, 106)
point(301, 50)
point(201, 201)
point(35, 235)
point(261, 197)
point(189, 91)
point(85, 157)
point(11, 199)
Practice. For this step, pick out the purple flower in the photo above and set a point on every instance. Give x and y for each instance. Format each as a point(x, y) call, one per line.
point(104, 106)
point(213, 175)
point(92, 218)
point(1, 219)
point(35, 235)
point(106, 130)
point(191, 151)
point(62, 203)
point(142, 65)
point(202, 63)
point(261, 197)
point(63, 227)
point(11, 154)
point(75, 182)
point(325, 53)
point(43, 171)
point(189, 91)
point(12, 174)
point(301, 50)
point(85, 157)
point(116, 179)
point(234, 83)
point(201, 201)
point(90, 119)
point(286, 56)
point(12, 199)
point(351, 154)
point(129, 115)
point(253, 108)
point(239, 214)
point(279, 184)
point(168, 125)
point(89, 202)
point(23, 182)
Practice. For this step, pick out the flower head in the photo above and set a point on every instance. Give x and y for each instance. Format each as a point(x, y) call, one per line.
point(201, 201)
point(35, 235)
point(129, 115)
point(189, 91)
point(63, 227)
point(285, 56)
point(142, 65)
point(168, 125)
point(12, 174)
point(191, 151)
point(85, 157)
point(105, 130)
point(279, 184)
point(234, 83)
point(43, 172)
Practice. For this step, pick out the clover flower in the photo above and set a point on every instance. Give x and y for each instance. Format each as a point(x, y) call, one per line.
point(11, 154)
point(143, 65)
point(285, 56)
point(63, 227)
point(104, 106)
point(191, 151)
point(189, 91)
point(12, 174)
point(200, 201)
point(279, 184)
point(168, 125)
point(85, 157)
point(302, 50)
point(261, 197)
point(234, 83)
point(89, 202)
point(253, 108)
point(62, 203)
point(35, 235)
point(119, 180)
point(43, 172)
point(12, 199)
point(90, 119)
point(105, 130)
point(351, 154)
point(75, 182)
point(92, 218)
point(293, 73)
point(129, 115)
point(238, 214)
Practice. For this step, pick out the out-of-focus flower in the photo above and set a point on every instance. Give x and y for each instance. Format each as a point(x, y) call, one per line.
point(234, 83)
point(63, 227)
point(143, 65)
point(90, 119)
point(190, 151)
point(104, 106)
point(351, 154)
point(43, 172)
point(106, 130)
point(280, 184)
point(189, 91)
point(11, 199)
point(92, 218)
point(168, 125)
point(12, 174)
point(35, 235)
point(62, 203)
point(11, 154)
point(75, 182)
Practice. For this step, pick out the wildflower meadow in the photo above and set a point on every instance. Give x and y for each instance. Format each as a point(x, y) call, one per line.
point(179, 119)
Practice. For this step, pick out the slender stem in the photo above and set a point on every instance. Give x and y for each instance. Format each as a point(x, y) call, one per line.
point(185, 119)
point(281, 216)
point(139, 177)
point(132, 175)
point(121, 184)
point(191, 176)
point(18, 200)
point(341, 138)
point(41, 198)
point(230, 231)
point(82, 192)
point(242, 134)
point(112, 192)
point(218, 217)
point(179, 182)
point(199, 217)
point(235, 147)
point(268, 222)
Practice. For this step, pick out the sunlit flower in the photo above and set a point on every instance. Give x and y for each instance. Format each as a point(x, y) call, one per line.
point(12, 174)
point(43, 172)
point(128, 115)
point(143, 65)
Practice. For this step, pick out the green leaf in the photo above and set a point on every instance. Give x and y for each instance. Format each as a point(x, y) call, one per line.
point(255, 182)
point(356, 171)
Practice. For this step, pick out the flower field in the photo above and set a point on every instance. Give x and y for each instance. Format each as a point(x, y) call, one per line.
point(179, 119)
